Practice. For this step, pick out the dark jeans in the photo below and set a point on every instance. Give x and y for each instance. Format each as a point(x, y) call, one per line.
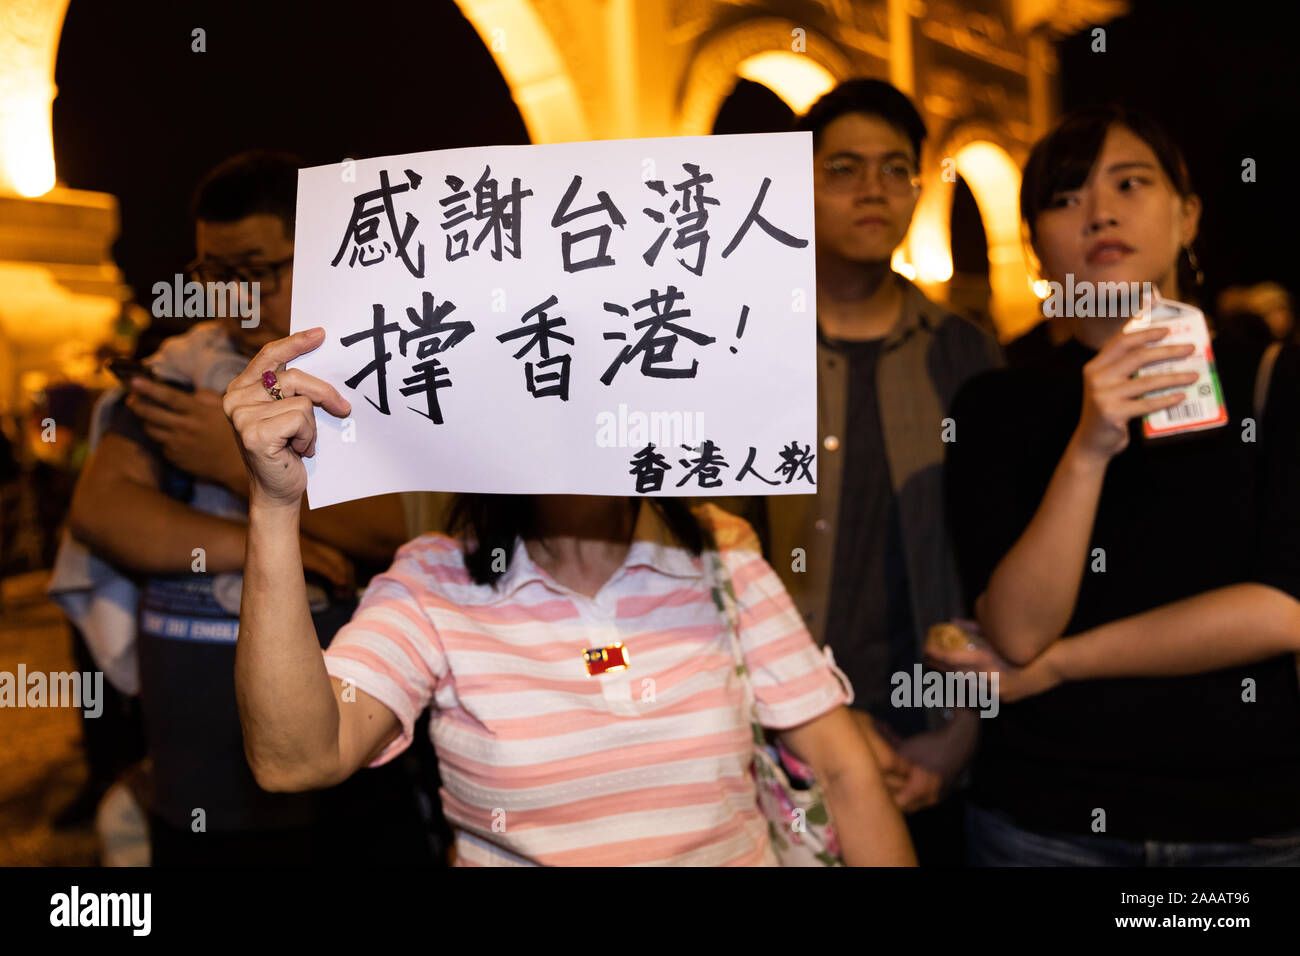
point(992, 839)
point(115, 739)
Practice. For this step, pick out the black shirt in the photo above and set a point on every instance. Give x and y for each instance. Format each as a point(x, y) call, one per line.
point(1184, 758)
point(191, 718)
point(869, 616)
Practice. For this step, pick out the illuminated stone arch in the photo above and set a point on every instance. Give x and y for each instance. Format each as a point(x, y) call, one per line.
point(978, 151)
point(29, 43)
point(540, 80)
point(759, 50)
point(59, 286)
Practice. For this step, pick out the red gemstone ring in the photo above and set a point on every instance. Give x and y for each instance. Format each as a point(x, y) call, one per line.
point(271, 385)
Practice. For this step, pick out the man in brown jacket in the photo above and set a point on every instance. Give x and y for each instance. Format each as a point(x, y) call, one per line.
point(867, 558)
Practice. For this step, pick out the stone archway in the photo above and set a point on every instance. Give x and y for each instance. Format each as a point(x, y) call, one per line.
point(539, 76)
point(975, 151)
point(786, 58)
point(29, 43)
point(994, 180)
point(59, 287)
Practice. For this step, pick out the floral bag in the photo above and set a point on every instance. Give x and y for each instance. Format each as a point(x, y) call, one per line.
point(788, 794)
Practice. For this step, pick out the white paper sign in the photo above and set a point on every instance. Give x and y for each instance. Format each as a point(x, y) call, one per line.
point(630, 317)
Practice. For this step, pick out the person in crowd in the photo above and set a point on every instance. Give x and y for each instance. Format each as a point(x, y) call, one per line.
point(544, 760)
point(1160, 576)
point(1263, 310)
point(1277, 306)
point(164, 497)
point(867, 559)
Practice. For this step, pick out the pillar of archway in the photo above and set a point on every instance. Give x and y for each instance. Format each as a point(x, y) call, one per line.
point(537, 48)
point(60, 291)
point(795, 63)
point(981, 155)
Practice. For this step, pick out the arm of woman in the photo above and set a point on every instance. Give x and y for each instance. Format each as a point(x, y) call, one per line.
point(782, 660)
point(1031, 594)
point(869, 826)
point(301, 731)
point(1227, 627)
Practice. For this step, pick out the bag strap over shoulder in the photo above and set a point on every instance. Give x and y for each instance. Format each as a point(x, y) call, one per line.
point(725, 598)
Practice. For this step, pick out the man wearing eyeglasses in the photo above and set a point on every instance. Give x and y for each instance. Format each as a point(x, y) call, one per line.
point(164, 497)
point(876, 569)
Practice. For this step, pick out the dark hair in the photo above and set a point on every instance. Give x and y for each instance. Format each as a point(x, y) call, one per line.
point(497, 521)
point(1063, 158)
point(872, 97)
point(256, 181)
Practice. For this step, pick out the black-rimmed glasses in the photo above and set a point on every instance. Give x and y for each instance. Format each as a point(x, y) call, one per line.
point(265, 274)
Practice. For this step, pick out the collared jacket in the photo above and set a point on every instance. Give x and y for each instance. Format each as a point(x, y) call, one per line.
point(928, 355)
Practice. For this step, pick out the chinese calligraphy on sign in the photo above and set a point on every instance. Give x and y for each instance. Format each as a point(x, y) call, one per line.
point(491, 313)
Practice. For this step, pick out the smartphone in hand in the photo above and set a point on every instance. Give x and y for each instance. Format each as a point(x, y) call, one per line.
point(125, 369)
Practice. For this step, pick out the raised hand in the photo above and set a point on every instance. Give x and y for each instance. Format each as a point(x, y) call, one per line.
point(275, 435)
point(1112, 396)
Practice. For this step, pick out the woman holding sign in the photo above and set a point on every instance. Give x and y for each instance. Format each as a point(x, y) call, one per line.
point(586, 706)
point(1085, 531)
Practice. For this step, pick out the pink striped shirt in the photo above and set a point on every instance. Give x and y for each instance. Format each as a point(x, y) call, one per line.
point(542, 764)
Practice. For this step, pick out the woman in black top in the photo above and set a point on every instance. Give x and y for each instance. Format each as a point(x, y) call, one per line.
point(1074, 534)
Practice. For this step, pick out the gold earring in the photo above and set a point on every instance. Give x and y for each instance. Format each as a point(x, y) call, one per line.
point(1196, 266)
